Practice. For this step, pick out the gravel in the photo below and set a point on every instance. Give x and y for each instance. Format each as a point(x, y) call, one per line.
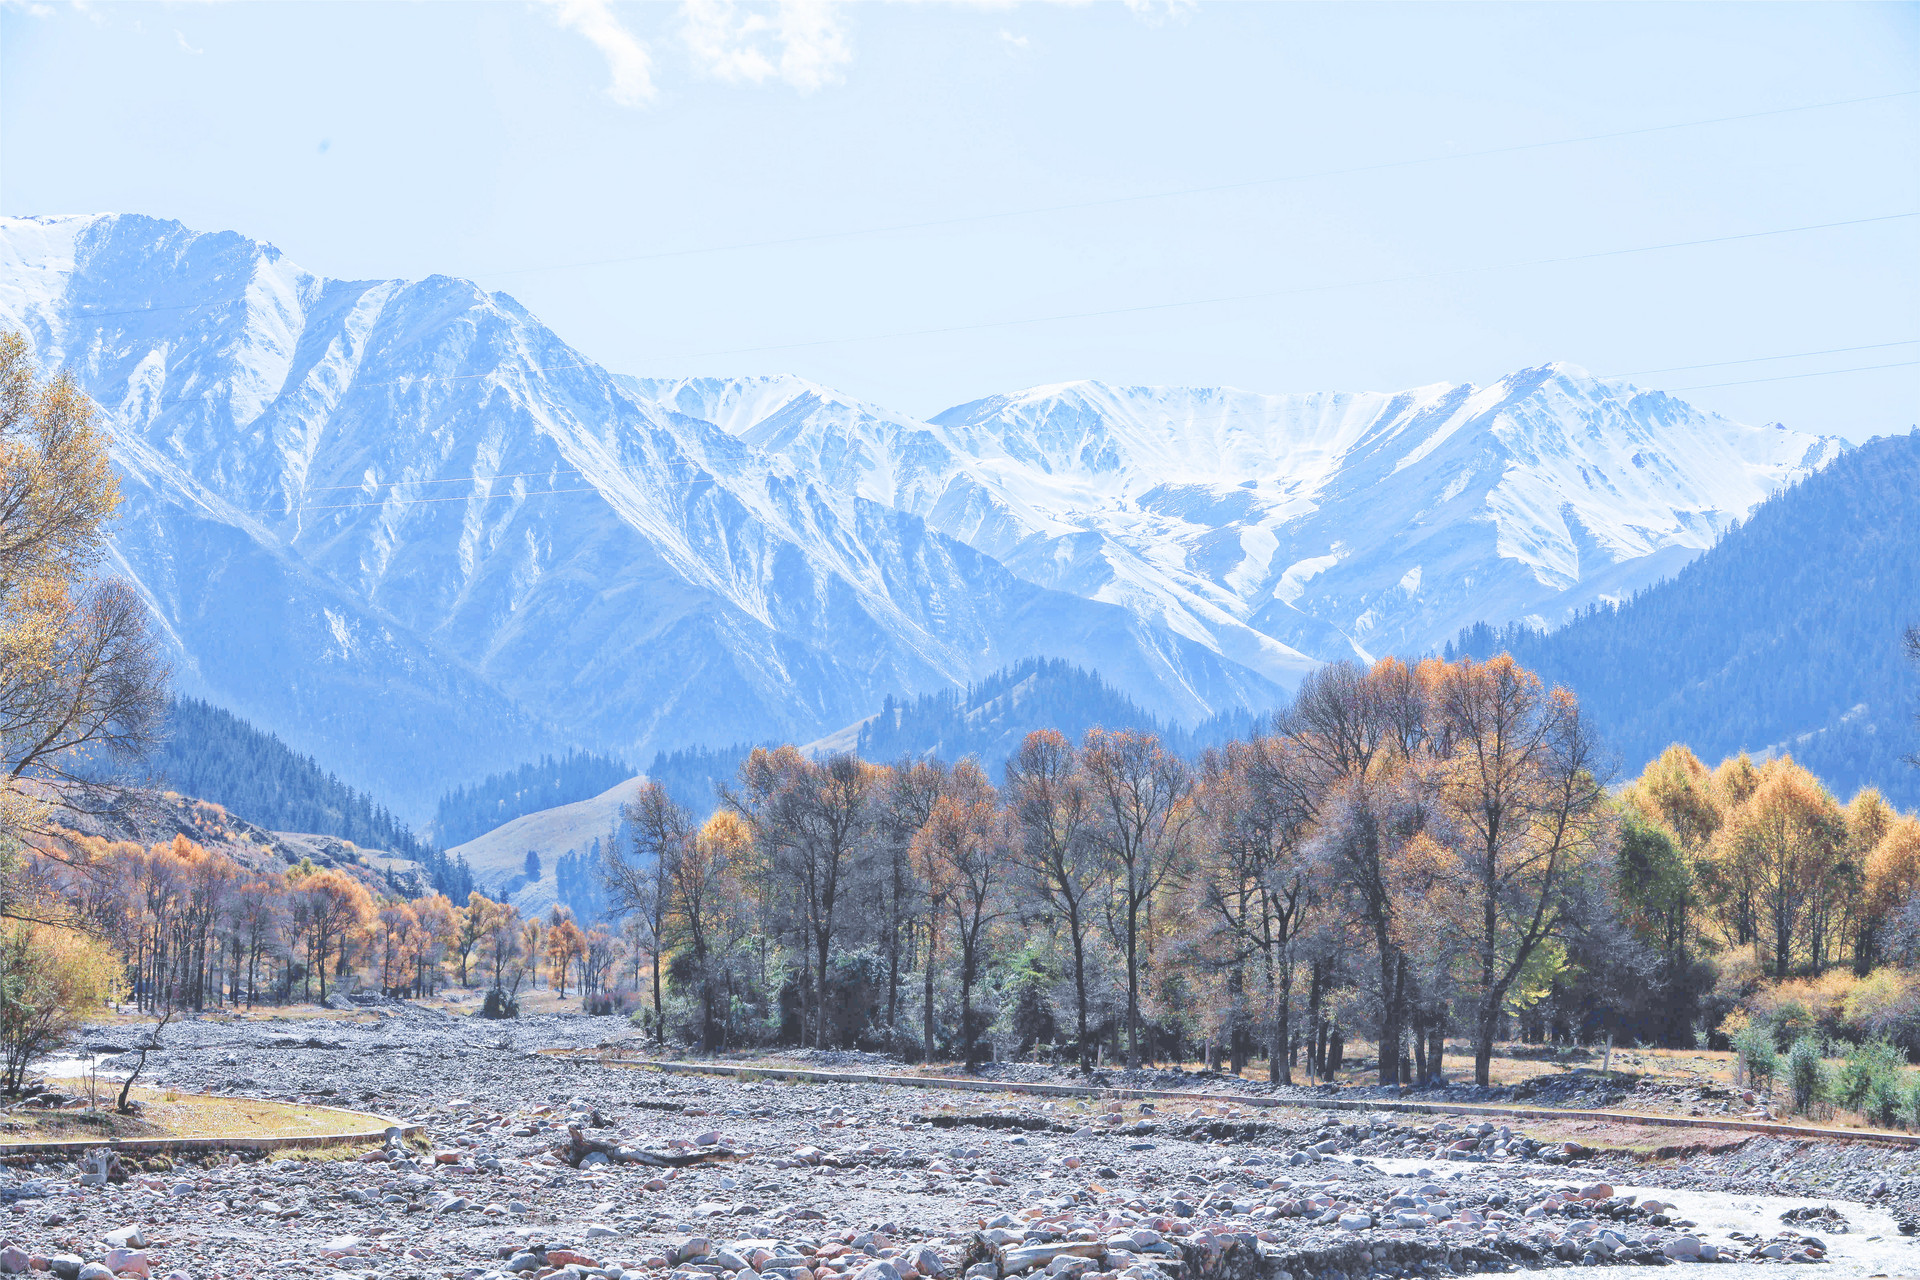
point(537, 1165)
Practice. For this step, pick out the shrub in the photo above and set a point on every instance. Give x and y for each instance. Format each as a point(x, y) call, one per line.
point(1759, 1060)
point(1807, 1073)
point(1885, 1004)
point(499, 1005)
point(50, 979)
point(1886, 1099)
point(1868, 1067)
point(1797, 1007)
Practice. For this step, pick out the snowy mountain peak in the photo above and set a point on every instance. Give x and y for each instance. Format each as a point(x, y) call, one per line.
point(1283, 530)
point(406, 526)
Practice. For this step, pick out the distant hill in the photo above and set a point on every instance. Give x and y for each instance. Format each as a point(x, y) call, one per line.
point(1786, 636)
point(567, 839)
point(988, 720)
point(470, 811)
point(692, 775)
point(212, 754)
point(155, 817)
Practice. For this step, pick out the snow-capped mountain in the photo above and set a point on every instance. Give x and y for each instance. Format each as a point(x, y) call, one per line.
point(403, 524)
point(406, 526)
point(1284, 531)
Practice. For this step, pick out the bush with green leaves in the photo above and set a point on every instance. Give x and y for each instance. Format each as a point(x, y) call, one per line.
point(1870, 1075)
point(1886, 1099)
point(1759, 1059)
point(1807, 1073)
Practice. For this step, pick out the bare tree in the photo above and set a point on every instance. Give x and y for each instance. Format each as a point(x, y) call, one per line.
point(1519, 779)
point(962, 848)
point(1053, 844)
point(1255, 886)
point(639, 871)
point(813, 819)
point(1143, 793)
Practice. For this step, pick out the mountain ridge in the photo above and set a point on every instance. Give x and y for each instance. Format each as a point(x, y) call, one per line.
point(405, 525)
point(292, 447)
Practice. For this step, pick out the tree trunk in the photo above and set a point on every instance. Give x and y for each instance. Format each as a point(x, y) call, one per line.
point(927, 1001)
point(1133, 984)
point(1389, 1016)
point(659, 1019)
point(1420, 1076)
point(1080, 992)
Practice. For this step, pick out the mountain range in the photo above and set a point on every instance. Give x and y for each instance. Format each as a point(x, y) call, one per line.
point(1785, 638)
point(406, 527)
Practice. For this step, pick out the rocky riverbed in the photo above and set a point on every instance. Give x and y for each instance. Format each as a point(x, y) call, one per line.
point(535, 1165)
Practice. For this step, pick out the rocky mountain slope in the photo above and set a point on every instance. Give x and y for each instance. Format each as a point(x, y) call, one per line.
point(1786, 637)
point(405, 526)
point(1285, 531)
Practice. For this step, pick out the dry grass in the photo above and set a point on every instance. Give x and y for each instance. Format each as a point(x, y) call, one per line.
point(167, 1114)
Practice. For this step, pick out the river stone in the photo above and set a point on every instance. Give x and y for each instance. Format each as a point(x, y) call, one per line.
point(1682, 1247)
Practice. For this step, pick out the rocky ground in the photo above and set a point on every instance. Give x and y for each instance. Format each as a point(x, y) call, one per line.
point(536, 1165)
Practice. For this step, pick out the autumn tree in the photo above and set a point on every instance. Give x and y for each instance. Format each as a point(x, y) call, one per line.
point(814, 819)
point(1053, 845)
point(81, 677)
point(470, 925)
point(638, 872)
point(962, 848)
point(254, 915)
point(500, 940)
point(1518, 780)
point(1253, 878)
point(904, 805)
point(51, 980)
point(1143, 794)
point(1777, 844)
point(1354, 734)
point(530, 947)
point(705, 893)
point(439, 928)
point(1893, 888)
point(566, 943)
point(394, 926)
point(329, 908)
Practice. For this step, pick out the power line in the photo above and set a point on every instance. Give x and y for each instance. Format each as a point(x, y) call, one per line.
point(1213, 189)
point(1788, 377)
point(1313, 175)
point(1792, 355)
point(1317, 288)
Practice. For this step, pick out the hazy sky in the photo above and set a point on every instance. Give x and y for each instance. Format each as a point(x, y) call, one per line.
point(923, 203)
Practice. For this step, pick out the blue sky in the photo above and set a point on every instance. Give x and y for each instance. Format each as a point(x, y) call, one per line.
point(923, 203)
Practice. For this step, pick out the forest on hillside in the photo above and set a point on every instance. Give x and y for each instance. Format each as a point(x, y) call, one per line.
point(989, 719)
point(1785, 637)
point(470, 811)
point(211, 754)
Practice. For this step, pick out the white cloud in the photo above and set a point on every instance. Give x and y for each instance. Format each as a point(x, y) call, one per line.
point(1011, 40)
point(802, 43)
point(1158, 11)
point(628, 60)
point(185, 47)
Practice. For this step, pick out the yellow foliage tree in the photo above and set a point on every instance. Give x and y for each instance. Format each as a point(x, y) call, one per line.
point(50, 979)
point(80, 671)
point(1776, 847)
